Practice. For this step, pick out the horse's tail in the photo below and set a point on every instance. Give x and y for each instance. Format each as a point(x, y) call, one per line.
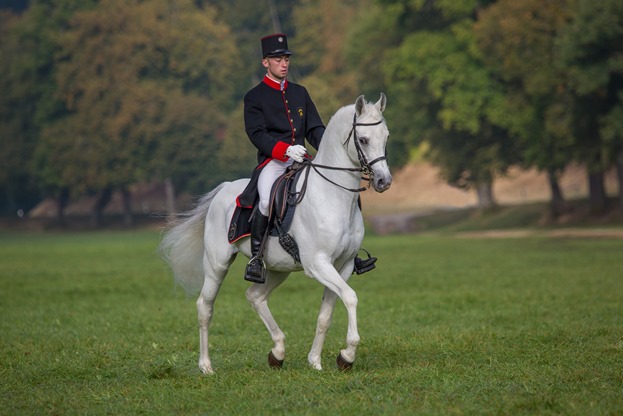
point(182, 245)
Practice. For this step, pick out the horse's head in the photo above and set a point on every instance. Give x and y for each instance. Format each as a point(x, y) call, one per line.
point(370, 137)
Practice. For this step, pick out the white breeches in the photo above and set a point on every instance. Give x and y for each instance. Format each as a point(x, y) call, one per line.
point(269, 175)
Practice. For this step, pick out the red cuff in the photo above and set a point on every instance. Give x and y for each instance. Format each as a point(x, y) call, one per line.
point(279, 151)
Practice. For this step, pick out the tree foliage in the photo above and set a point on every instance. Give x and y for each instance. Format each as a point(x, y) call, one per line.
point(490, 84)
point(518, 44)
point(439, 74)
point(101, 94)
point(27, 101)
point(144, 96)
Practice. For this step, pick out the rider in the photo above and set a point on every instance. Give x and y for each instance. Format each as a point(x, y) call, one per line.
point(278, 116)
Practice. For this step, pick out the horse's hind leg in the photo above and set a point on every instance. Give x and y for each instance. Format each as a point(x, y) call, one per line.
point(258, 297)
point(214, 276)
point(325, 316)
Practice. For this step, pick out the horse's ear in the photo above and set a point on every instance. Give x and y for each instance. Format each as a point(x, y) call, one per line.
point(360, 104)
point(380, 104)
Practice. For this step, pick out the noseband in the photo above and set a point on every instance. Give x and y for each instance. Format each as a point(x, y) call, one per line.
point(366, 167)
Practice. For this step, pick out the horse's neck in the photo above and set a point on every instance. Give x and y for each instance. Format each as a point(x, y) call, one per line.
point(333, 152)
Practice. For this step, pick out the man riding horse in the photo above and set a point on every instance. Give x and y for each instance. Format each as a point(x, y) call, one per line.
point(278, 116)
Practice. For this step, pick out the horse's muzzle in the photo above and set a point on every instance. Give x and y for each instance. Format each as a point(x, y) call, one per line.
point(381, 182)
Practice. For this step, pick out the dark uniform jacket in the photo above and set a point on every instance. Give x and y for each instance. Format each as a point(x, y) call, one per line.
point(275, 117)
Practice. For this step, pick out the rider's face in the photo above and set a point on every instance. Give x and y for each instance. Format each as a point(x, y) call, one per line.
point(277, 66)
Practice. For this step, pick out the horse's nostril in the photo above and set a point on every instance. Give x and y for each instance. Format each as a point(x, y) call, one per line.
point(383, 184)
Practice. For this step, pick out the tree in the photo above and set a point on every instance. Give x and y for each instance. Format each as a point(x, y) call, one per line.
point(378, 29)
point(612, 132)
point(27, 101)
point(319, 60)
point(17, 135)
point(591, 49)
point(249, 21)
point(450, 99)
point(146, 87)
point(518, 40)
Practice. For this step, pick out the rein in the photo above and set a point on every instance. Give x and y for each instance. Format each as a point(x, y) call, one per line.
point(365, 169)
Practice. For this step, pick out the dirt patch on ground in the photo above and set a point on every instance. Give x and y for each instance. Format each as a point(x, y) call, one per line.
point(560, 233)
point(419, 188)
point(418, 191)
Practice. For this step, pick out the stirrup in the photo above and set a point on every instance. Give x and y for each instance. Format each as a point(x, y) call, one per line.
point(364, 265)
point(251, 273)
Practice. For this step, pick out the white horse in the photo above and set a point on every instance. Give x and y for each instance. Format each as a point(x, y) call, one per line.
point(327, 225)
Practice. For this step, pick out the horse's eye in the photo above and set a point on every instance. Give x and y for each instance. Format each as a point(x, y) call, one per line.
point(363, 140)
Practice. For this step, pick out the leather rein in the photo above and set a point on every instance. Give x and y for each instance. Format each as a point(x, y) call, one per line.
point(365, 169)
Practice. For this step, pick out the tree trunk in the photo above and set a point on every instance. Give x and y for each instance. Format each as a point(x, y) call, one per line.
point(557, 203)
point(61, 203)
point(272, 7)
point(619, 163)
point(485, 195)
point(126, 196)
point(169, 191)
point(597, 192)
point(103, 199)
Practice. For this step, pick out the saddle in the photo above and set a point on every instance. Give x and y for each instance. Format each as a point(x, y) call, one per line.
point(283, 201)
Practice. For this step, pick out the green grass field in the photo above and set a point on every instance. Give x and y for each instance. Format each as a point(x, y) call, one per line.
point(92, 324)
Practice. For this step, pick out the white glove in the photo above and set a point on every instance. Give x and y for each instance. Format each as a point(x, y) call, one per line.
point(296, 152)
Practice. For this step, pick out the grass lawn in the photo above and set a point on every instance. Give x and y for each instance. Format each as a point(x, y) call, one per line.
point(92, 324)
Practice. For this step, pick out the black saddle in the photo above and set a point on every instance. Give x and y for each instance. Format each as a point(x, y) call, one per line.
point(283, 201)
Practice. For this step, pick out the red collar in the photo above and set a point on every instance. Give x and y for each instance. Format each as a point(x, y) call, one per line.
point(274, 84)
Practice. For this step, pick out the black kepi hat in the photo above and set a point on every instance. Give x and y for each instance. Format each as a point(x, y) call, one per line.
point(275, 45)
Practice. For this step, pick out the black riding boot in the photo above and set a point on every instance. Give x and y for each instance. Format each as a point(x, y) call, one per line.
point(255, 271)
point(364, 265)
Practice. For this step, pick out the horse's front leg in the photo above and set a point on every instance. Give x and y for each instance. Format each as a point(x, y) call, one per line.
point(258, 296)
point(335, 284)
point(325, 317)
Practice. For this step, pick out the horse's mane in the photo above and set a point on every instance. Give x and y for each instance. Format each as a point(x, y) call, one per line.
point(339, 116)
point(345, 116)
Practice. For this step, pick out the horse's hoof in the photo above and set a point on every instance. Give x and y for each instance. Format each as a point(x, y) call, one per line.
point(206, 368)
point(342, 364)
point(273, 362)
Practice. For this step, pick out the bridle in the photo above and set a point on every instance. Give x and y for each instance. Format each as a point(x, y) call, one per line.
point(366, 167)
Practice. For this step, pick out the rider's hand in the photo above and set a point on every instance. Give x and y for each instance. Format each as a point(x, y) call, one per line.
point(296, 152)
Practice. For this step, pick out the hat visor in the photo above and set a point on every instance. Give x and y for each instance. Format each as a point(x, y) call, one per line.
point(278, 52)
